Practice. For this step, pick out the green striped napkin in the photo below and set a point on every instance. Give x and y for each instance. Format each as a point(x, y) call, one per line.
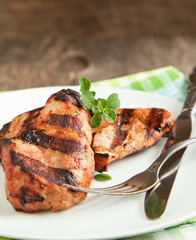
point(167, 81)
point(170, 82)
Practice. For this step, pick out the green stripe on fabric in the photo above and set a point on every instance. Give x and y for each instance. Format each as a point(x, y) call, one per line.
point(156, 82)
point(137, 86)
point(173, 74)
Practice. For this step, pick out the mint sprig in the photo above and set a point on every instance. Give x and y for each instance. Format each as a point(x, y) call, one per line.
point(101, 108)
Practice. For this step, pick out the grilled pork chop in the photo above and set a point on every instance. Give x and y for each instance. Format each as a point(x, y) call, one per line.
point(43, 149)
point(133, 130)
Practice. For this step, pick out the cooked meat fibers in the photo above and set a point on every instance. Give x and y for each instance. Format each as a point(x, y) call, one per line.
point(133, 130)
point(45, 148)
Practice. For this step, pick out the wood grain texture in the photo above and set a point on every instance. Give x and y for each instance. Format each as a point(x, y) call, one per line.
point(46, 43)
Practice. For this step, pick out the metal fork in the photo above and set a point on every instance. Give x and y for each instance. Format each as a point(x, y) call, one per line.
point(142, 181)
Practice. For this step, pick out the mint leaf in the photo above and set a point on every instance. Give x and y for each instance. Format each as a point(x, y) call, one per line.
point(111, 116)
point(102, 177)
point(113, 101)
point(88, 99)
point(85, 84)
point(96, 120)
point(94, 109)
point(102, 103)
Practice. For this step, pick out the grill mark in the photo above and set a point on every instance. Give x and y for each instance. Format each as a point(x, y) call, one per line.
point(38, 138)
point(32, 115)
point(120, 136)
point(66, 121)
point(63, 96)
point(29, 196)
point(154, 122)
point(57, 176)
point(155, 118)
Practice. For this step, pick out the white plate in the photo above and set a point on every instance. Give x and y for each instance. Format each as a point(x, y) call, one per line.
point(101, 217)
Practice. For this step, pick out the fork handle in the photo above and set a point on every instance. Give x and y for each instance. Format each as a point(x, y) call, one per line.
point(157, 164)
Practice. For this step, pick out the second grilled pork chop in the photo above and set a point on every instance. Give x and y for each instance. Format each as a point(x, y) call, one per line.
point(45, 148)
point(133, 130)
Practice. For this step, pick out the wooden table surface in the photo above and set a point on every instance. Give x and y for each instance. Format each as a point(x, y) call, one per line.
point(55, 42)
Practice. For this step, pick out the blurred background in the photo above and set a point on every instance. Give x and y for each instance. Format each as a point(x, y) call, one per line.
point(55, 42)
